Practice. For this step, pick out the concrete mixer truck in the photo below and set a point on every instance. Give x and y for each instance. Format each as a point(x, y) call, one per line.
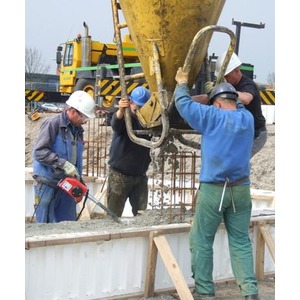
point(167, 35)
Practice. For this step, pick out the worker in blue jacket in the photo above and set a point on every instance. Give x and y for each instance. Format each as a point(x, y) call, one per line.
point(227, 137)
point(58, 153)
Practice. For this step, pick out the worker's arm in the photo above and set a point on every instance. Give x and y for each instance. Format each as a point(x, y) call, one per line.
point(118, 121)
point(203, 98)
point(247, 91)
point(43, 146)
point(193, 113)
point(245, 97)
point(43, 149)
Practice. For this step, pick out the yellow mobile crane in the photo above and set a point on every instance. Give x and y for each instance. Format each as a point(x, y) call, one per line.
point(82, 61)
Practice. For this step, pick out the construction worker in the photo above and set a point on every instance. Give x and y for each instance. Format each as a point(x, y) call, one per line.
point(227, 130)
point(128, 161)
point(248, 94)
point(58, 153)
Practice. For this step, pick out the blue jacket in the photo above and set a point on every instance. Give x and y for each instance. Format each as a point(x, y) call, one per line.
point(53, 147)
point(227, 137)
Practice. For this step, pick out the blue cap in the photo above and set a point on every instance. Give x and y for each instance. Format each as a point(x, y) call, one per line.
point(140, 95)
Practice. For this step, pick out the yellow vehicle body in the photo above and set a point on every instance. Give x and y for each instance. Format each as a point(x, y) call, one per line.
point(81, 57)
point(68, 70)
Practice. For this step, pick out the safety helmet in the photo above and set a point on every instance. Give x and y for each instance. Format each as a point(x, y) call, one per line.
point(234, 62)
point(83, 102)
point(140, 95)
point(223, 90)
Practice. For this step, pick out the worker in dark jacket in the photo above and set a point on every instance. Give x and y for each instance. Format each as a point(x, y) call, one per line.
point(248, 94)
point(128, 161)
point(58, 153)
point(227, 130)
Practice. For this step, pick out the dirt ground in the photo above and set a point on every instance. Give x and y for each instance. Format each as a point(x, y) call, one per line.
point(262, 177)
point(227, 291)
point(262, 164)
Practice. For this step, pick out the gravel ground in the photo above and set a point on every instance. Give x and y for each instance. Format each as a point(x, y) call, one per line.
point(227, 291)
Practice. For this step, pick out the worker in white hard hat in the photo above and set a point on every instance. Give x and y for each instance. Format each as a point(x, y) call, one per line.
point(248, 94)
point(58, 153)
point(128, 161)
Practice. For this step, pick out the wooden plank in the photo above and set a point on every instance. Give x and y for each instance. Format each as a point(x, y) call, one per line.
point(266, 233)
point(79, 237)
point(262, 197)
point(151, 268)
point(173, 268)
point(262, 194)
point(260, 255)
point(85, 214)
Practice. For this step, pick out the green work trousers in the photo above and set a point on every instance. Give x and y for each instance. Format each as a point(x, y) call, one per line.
point(205, 224)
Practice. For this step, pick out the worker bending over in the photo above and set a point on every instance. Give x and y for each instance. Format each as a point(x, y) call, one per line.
point(227, 130)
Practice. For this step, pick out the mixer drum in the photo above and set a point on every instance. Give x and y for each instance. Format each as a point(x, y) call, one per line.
point(171, 25)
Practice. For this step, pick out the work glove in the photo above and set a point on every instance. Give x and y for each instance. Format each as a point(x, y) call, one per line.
point(181, 77)
point(70, 169)
point(208, 87)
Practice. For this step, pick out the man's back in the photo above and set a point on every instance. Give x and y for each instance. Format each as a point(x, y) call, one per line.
point(227, 138)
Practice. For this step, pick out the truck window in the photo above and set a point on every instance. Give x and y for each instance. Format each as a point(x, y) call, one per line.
point(68, 57)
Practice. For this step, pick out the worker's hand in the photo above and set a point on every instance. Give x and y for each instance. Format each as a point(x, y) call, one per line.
point(70, 169)
point(208, 87)
point(123, 103)
point(181, 76)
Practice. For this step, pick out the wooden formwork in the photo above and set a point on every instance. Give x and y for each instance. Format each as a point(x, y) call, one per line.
point(161, 252)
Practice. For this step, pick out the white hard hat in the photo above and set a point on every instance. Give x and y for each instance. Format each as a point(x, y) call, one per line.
point(233, 63)
point(83, 102)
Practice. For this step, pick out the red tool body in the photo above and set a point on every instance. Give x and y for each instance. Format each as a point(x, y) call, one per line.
point(78, 190)
point(74, 188)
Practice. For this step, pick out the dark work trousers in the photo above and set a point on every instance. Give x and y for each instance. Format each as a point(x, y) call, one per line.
point(122, 187)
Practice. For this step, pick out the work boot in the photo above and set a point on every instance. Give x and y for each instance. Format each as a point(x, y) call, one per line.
point(197, 296)
point(252, 297)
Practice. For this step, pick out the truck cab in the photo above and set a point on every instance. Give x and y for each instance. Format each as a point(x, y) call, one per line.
point(79, 59)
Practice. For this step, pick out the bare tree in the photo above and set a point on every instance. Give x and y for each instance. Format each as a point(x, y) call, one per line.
point(34, 62)
point(271, 79)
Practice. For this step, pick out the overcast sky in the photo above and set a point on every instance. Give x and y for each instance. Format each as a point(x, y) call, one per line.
point(50, 23)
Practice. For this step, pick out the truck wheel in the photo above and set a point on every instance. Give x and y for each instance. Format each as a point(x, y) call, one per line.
point(87, 85)
point(108, 104)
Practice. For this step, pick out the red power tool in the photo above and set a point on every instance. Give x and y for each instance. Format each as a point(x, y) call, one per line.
point(77, 189)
